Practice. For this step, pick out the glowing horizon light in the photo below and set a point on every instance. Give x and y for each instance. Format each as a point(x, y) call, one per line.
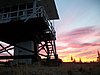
point(78, 60)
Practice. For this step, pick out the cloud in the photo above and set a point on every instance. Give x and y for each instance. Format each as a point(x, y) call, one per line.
point(4, 54)
point(75, 45)
point(83, 42)
point(2, 50)
point(76, 34)
point(98, 33)
point(81, 45)
point(61, 47)
point(79, 36)
point(84, 54)
point(81, 31)
point(90, 44)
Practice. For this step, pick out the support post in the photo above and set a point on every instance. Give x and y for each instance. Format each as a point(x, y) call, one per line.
point(36, 51)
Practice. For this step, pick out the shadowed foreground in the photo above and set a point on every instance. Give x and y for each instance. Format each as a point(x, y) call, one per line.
point(64, 69)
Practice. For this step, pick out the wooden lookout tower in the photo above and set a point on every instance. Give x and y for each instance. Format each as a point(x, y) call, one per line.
point(26, 25)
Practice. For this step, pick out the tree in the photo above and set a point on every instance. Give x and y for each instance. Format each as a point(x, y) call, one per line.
point(74, 60)
point(71, 58)
point(80, 60)
point(98, 58)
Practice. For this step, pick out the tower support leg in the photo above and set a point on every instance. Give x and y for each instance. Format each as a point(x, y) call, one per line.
point(50, 49)
point(35, 59)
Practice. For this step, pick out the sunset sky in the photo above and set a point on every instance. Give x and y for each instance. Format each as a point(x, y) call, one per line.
point(78, 29)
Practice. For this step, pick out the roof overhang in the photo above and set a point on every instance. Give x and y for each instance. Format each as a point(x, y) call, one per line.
point(50, 8)
point(49, 5)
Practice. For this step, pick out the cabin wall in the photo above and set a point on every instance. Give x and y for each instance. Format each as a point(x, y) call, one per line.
point(6, 3)
point(18, 51)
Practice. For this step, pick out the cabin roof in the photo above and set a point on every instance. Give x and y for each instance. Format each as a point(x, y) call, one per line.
point(49, 5)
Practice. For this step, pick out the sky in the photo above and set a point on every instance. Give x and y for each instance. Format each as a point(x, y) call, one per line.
point(78, 29)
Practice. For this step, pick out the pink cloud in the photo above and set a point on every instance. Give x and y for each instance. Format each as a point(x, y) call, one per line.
point(4, 54)
point(84, 54)
point(61, 47)
point(78, 36)
point(81, 31)
point(90, 44)
point(83, 41)
point(75, 34)
point(76, 45)
point(98, 33)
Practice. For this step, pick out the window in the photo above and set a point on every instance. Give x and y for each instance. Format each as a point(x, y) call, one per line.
point(22, 7)
point(14, 14)
point(30, 11)
point(21, 13)
point(1, 11)
point(0, 16)
point(29, 5)
point(14, 8)
point(4, 15)
point(6, 10)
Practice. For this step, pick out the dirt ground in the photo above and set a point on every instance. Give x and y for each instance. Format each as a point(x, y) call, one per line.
point(63, 69)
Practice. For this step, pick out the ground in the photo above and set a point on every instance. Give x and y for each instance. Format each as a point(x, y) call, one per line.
point(63, 69)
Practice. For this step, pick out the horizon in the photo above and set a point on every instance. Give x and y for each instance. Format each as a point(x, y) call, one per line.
point(78, 30)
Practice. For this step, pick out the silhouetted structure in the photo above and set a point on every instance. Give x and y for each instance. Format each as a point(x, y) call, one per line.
point(26, 25)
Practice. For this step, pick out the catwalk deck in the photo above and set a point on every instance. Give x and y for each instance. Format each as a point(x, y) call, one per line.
point(18, 31)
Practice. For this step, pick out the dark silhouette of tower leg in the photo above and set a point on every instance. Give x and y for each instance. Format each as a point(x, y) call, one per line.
point(36, 51)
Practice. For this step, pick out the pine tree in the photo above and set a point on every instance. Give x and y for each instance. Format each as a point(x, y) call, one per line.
point(71, 58)
point(74, 60)
point(98, 58)
point(80, 60)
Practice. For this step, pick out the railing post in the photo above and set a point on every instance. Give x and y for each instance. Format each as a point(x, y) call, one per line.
point(34, 7)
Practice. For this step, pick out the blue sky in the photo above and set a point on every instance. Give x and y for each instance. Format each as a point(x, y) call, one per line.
point(78, 29)
point(77, 13)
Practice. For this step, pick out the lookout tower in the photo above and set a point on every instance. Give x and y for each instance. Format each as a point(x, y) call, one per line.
point(26, 25)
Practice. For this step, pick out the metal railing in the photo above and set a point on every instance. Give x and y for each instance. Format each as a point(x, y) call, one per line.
point(15, 15)
point(27, 14)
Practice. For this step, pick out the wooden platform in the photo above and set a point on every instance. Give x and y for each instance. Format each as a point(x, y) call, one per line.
point(18, 31)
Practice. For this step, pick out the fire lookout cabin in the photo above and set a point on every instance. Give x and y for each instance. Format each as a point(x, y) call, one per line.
point(26, 25)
